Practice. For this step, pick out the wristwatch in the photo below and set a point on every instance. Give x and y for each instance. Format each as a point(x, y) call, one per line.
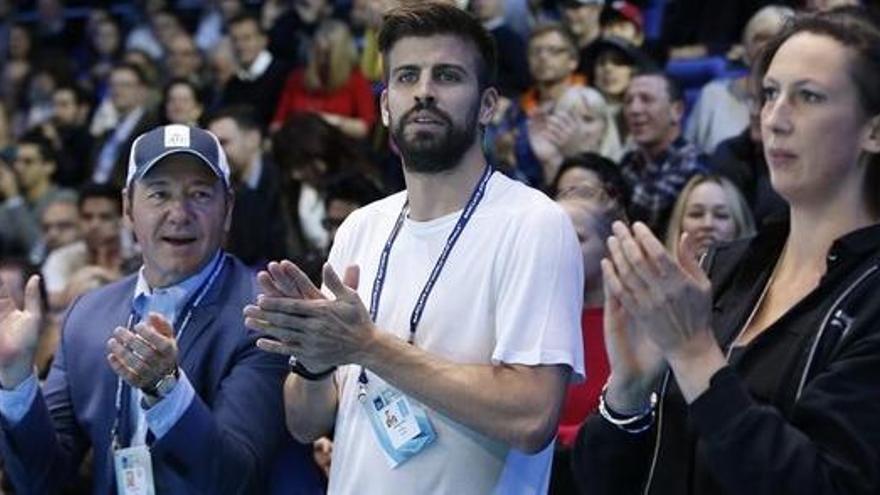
point(163, 386)
point(298, 368)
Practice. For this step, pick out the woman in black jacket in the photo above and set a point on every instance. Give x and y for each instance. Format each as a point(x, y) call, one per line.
point(764, 376)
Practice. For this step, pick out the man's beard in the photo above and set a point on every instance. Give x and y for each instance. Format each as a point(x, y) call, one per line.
point(430, 152)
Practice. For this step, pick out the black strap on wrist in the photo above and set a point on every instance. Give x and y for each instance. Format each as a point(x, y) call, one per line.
point(297, 367)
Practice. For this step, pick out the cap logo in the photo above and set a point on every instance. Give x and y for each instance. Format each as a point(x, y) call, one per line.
point(176, 136)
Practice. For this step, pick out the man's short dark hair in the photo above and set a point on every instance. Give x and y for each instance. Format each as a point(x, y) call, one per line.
point(244, 116)
point(431, 19)
point(44, 147)
point(92, 190)
point(79, 95)
point(555, 27)
point(135, 69)
point(245, 17)
point(672, 88)
point(353, 188)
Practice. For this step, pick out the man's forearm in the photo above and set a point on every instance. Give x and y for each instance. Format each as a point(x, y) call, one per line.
point(515, 404)
point(309, 407)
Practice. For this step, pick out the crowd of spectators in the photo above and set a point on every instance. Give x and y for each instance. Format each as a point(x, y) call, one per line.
point(592, 112)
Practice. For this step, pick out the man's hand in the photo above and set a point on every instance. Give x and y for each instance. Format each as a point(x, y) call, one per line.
point(320, 332)
point(19, 333)
point(143, 356)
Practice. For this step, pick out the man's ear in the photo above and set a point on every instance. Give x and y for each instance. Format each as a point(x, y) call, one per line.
point(488, 105)
point(383, 108)
point(871, 137)
point(126, 206)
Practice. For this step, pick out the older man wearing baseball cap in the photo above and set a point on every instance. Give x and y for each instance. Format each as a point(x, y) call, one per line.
point(156, 373)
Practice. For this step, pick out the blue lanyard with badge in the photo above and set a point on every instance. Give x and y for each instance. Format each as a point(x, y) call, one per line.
point(401, 425)
point(133, 465)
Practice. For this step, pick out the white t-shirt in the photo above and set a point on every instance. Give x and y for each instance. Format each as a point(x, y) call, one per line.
point(511, 291)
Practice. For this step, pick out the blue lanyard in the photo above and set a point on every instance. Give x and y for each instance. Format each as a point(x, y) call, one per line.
point(379, 281)
point(180, 325)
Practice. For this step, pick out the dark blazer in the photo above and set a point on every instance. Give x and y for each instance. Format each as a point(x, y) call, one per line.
point(225, 442)
point(258, 231)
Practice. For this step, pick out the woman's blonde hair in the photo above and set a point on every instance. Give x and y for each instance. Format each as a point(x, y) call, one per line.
point(609, 145)
point(736, 203)
point(341, 57)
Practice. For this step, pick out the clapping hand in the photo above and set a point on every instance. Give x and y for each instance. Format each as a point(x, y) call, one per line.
point(669, 301)
point(19, 333)
point(321, 332)
point(145, 354)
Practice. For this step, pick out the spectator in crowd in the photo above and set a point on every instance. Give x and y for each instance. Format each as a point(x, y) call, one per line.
point(145, 63)
point(611, 64)
point(53, 31)
point(623, 20)
point(106, 248)
point(257, 232)
point(310, 154)
point(36, 107)
point(513, 68)
point(365, 19)
point(592, 212)
point(214, 21)
point(16, 68)
point(722, 110)
point(581, 122)
point(741, 160)
point(60, 224)
point(590, 171)
point(128, 95)
point(764, 364)
point(481, 390)
point(182, 103)
point(185, 374)
point(154, 36)
point(68, 134)
point(710, 210)
point(343, 196)
point(552, 57)
point(260, 77)
point(28, 190)
point(184, 60)
point(330, 84)
point(102, 53)
point(291, 35)
point(222, 66)
point(660, 160)
point(581, 17)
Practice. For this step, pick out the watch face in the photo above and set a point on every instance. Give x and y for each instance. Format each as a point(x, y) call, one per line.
point(165, 385)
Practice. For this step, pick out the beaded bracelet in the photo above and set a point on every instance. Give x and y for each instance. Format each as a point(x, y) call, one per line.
point(630, 423)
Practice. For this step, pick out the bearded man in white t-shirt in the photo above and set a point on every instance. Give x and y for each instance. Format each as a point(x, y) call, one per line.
point(441, 358)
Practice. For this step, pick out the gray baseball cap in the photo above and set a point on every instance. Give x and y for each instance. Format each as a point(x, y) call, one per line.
point(152, 146)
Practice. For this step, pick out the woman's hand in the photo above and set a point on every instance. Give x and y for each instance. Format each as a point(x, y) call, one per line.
point(669, 300)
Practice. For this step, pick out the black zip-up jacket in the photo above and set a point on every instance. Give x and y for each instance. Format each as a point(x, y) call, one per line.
point(797, 411)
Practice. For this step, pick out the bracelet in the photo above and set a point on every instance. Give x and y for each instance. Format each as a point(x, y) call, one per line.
point(630, 423)
point(297, 368)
